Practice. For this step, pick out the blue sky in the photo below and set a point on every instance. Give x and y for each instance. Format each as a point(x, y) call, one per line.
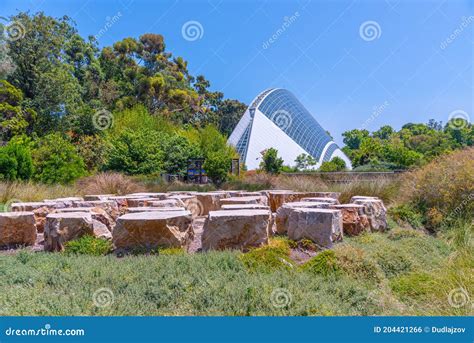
point(353, 64)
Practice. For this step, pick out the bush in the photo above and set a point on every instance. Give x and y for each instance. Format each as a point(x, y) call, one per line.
point(88, 245)
point(92, 149)
point(412, 286)
point(399, 233)
point(15, 162)
point(271, 163)
point(336, 164)
point(109, 183)
point(442, 191)
point(325, 263)
point(56, 161)
point(217, 166)
point(355, 263)
point(404, 213)
point(136, 152)
point(268, 258)
point(177, 151)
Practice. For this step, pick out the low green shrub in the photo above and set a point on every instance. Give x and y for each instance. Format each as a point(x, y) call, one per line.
point(325, 263)
point(15, 162)
point(88, 245)
point(268, 258)
point(406, 214)
point(355, 263)
point(393, 261)
point(56, 161)
point(401, 233)
point(412, 286)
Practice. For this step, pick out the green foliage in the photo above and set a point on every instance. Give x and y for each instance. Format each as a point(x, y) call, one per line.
point(413, 145)
point(336, 164)
point(14, 119)
point(271, 163)
point(405, 213)
point(304, 161)
point(88, 245)
point(217, 166)
point(136, 152)
point(325, 263)
point(400, 233)
point(415, 285)
point(57, 161)
point(15, 162)
point(269, 258)
point(442, 191)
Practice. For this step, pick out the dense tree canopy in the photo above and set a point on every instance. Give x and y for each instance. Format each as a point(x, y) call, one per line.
point(413, 145)
point(131, 106)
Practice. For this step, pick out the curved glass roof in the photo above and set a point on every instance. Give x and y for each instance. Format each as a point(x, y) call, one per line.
point(283, 109)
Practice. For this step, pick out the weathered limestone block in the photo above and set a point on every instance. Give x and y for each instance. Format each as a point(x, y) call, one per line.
point(362, 197)
point(354, 221)
point(121, 200)
point(235, 229)
point(375, 211)
point(321, 199)
point(64, 227)
point(278, 198)
point(166, 203)
point(156, 196)
point(108, 206)
point(191, 203)
point(210, 201)
point(245, 207)
point(103, 217)
point(40, 216)
point(262, 200)
point(72, 210)
point(333, 195)
point(63, 202)
point(154, 209)
point(26, 206)
point(153, 229)
point(283, 213)
point(97, 197)
point(140, 202)
point(17, 228)
point(101, 230)
point(322, 226)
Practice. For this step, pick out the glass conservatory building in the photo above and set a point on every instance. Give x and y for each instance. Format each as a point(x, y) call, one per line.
point(276, 119)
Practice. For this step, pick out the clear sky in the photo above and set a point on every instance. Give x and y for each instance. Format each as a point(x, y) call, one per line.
point(353, 64)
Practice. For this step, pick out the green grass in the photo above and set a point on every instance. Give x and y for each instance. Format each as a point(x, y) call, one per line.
point(373, 274)
point(88, 245)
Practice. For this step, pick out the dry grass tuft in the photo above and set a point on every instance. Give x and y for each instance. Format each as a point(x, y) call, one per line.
point(109, 183)
point(443, 189)
point(29, 191)
point(300, 183)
